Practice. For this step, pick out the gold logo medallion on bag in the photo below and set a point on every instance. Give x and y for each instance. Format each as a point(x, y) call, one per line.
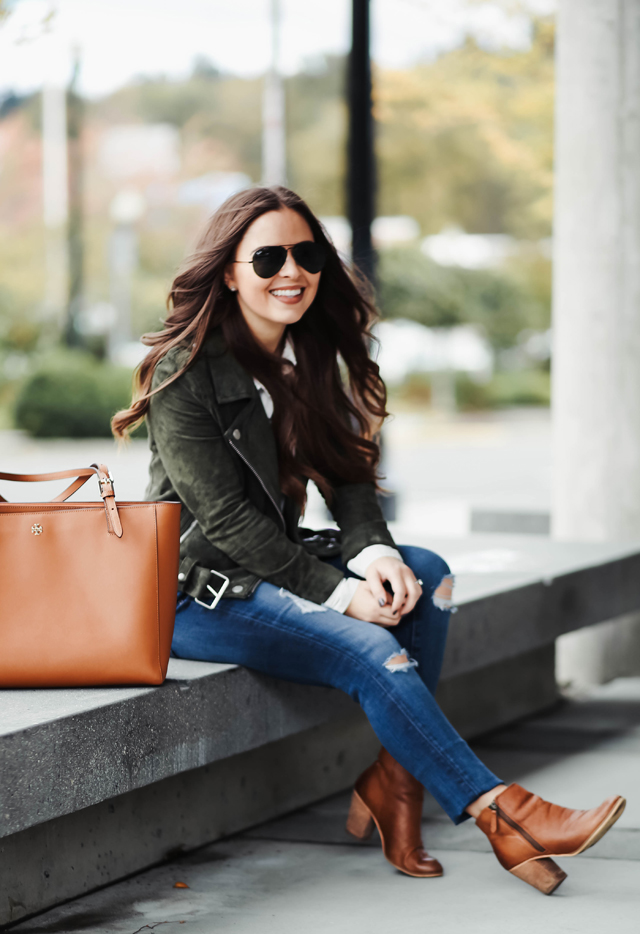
point(36, 529)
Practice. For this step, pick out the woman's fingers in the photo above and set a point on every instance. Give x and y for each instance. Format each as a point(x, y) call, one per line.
point(406, 590)
point(382, 615)
point(385, 618)
point(398, 581)
point(376, 583)
point(414, 590)
point(365, 606)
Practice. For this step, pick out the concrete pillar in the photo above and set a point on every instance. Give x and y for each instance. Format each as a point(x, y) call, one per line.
point(596, 362)
point(274, 146)
point(55, 198)
point(75, 226)
point(126, 209)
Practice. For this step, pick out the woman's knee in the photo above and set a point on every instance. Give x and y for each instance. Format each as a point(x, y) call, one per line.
point(433, 571)
point(383, 651)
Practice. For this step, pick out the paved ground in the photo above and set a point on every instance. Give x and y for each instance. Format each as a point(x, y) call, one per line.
point(302, 873)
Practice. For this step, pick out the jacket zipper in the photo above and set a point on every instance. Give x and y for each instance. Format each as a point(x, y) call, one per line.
point(523, 833)
point(188, 532)
point(262, 484)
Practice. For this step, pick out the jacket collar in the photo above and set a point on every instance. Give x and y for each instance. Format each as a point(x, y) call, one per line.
point(230, 381)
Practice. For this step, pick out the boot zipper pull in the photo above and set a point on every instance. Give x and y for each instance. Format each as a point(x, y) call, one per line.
point(494, 819)
point(498, 812)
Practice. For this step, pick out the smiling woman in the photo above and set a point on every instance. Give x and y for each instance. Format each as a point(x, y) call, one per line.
point(283, 279)
point(246, 402)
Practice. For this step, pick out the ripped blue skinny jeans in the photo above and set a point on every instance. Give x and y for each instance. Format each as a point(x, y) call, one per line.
point(281, 635)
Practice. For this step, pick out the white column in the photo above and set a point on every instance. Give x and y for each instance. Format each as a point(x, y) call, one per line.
point(126, 209)
point(596, 362)
point(55, 196)
point(596, 357)
point(274, 159)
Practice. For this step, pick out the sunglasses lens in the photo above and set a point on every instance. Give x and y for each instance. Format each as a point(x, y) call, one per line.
point(268, 261)
point(309, 255)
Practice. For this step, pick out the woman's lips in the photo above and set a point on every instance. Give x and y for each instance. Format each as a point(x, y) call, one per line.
point(288, 296)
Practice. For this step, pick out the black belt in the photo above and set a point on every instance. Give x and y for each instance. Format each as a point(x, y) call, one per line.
point(207, 586)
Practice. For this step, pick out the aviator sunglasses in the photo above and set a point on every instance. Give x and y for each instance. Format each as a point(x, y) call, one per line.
point(269, 260)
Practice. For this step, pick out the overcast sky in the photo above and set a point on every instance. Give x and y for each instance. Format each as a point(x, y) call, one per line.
point(120, 39)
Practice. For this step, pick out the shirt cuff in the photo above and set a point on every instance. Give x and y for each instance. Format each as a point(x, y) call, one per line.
point(361, 562)
point(342, 596)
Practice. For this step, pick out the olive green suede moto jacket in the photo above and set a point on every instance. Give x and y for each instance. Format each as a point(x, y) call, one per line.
point(213, 449)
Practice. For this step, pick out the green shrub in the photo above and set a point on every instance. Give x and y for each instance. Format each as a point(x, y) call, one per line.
point(504, 389)
point(72, 395)
point(507, 388)
point(416, 389)
point(520, 387)
point(472, 395)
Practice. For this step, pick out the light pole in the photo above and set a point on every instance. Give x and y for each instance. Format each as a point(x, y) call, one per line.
point(361, 181)
point(361, 172)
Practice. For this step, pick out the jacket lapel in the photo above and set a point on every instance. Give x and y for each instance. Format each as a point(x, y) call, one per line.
point(246, 426)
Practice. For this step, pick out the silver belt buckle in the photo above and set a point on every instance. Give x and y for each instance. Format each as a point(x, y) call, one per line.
point(216, 593)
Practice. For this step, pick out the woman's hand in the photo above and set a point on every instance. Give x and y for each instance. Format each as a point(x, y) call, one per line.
point(372, 603)
point(406, 589)
point(364, 605)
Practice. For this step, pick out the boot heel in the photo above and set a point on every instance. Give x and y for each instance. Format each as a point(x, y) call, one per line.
point(542, 874)
point(359, 821)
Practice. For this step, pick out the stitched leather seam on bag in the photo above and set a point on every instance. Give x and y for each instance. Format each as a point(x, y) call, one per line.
point(38, 507)
point(155, 529)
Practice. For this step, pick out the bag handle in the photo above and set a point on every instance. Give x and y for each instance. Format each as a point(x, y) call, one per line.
point(105, 485)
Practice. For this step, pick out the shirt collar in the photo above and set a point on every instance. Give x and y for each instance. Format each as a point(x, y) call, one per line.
point(289, 352)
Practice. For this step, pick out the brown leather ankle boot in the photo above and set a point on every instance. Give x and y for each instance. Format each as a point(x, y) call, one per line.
point(391, 797)
point(526, 832)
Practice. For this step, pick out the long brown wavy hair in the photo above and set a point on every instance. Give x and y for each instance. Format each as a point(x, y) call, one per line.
point(329, 407)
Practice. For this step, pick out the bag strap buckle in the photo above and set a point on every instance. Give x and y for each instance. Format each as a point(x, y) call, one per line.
point(108, 483)
point(217, 594)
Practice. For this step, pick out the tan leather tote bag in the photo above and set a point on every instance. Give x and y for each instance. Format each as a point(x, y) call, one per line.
point(87, 590)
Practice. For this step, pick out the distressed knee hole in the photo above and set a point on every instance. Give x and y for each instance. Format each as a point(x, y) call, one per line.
point(305, 606)
point(400, 661)
point(443, 594)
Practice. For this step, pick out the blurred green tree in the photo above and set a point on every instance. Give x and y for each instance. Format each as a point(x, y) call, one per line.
point(502, 302)
point(468, 139)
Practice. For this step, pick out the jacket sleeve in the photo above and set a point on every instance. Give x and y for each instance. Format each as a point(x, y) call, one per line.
point(201, 467)
point(356, 509)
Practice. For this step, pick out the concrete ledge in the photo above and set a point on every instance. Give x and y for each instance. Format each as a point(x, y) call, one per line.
point(510, 522)
point(72, 855)
point(95, 745)
point(516, 594)
point(491, 697)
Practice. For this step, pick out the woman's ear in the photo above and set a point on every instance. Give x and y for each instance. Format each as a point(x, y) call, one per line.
point(229, 280)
